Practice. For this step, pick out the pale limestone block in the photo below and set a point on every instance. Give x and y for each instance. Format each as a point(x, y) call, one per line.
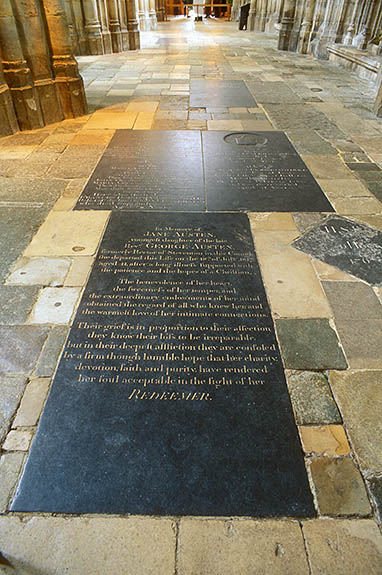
point(10, 467)
point(144, 121)
point(363, 205)
point(343, 547)
point(329, 440)
point(55, 305)
point(111, 121)
point(272, 221)
point(79, 272)
point(327, 167)
point(327, 272)
point(39, 271)
point(89, 545)
point(65, 204)
point(18, 441)
point(224, 125)
point(89, 138)
point(343, 188)
point(292, 286)
point(68, 234)
point(32, 403)
point(218, 547)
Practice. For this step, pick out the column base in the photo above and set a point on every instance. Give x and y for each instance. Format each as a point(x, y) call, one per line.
point(134, 38)
point(49, 101)
point(8, 122)
point(27, 107)
point(72, 97)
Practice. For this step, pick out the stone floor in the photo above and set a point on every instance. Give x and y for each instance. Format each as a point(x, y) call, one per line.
point(327, 115)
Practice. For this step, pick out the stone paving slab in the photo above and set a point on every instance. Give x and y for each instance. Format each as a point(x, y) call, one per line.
point(11, 391)
point(311, 397)
point(16, 303)
point(343, 547)
point(20, 346)
point(131, 545)
point(237, 547)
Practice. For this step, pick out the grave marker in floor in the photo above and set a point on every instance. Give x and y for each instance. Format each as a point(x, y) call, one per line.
point(197, 171)
point(350, 246)
point(170, 396)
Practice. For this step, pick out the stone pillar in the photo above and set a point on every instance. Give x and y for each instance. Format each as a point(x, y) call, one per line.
point(17, 73)
point(329, 29)
point(306, 26)
point(348, 40)
point(36, 44)
point(286, 25)
point(8, 122)
point(252, 15)
point(132, 25)
point(104, 21)
point(114, 25)
point(362, 39)
point(263, 15)
point(93, 27)
point(378, 101)
point(72, 29)
point(152, 15)
point(69, 82)
point(142, 14)
point(123, 20)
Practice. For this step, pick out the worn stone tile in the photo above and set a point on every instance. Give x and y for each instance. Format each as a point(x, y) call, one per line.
point(271, 222)
point(11, 391)
point(79, 272)
point(262, 125)
point(309, 142)
point(144, 121)
point(375, 488)
point(305, 221)
point(220, 547)
point(329, 440)
point(359, 397)
point(311, 398)
point(168, 124)
point(339, 487)
point(224, 125)
point(343, 547)
point(65, 204)
point(353, 206)
point(291, 283)
point(55, 305)
point(352, 300)
point(58, 545)
point(39, 271)
point(51, 351)
point(327, 167)
point(310, 344)
point(362, 342)
point(111, 120)
point(16, 231)
point(32, 403)
point(330, 273)
point(34, 191)
point(196, 125)
point(20, 347)
point(18, 441)
point(10, 467)
point(76, 162)
point(343, 188)
point(16, 302)
point(68, 234)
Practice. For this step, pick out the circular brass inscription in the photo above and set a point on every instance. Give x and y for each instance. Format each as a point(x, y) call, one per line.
point(246, 139)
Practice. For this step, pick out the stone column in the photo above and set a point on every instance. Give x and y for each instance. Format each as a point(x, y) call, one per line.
point(8, 122)
point(104, 21)
point(37, 46)
point(123, 20)
point(92, 27)
point(252, 15)
point(362, 39)
point(17, 73)
point(263, 15)
point(306, 26)
point(132, 25)
point(69, 82)
point(152, 15)
point(348, 40)
point(286, 25)
point(114, 25)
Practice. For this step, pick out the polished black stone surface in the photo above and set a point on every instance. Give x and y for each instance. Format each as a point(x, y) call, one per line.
point(347, 245)
point(170, 397)
point(257, 172)
point(165, 171)
point(148, 170)
point(220, 94)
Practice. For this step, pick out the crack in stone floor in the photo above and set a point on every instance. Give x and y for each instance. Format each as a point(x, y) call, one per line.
point(322, 313)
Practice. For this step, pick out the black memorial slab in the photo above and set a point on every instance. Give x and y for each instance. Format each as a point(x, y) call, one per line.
point(220, 94)
point(347, 245)
point(258, 171)
point(148, 170)
point(170, 396)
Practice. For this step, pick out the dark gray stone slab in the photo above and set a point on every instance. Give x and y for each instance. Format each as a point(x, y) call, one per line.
point(309, 344)
point(352, 300)
point(51, 351)
point(352, 247)
point(148, 170)
point(170, 396)
point(220, 93)
point(257, 172)
point(20, 346)
point(375, 487)
point(16, 302)
point(312, 399)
